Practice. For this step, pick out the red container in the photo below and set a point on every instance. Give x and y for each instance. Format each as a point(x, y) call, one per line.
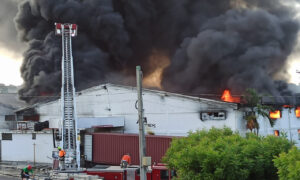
point(109, 148)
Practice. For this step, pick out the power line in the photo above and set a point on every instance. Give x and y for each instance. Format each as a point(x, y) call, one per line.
point(123, 114)
point(163, 94)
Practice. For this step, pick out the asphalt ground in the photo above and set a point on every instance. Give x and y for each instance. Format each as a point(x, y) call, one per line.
point(8, 178)
point(12, 170)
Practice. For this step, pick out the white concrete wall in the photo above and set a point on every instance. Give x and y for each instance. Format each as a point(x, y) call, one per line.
point(171, 115)
point(21, 148)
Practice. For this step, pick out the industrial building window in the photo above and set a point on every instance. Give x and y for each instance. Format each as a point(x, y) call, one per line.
point(33, 136)
point(249, 113)
point(213, 115)
point(275, 114)
point(31, 118)
point(276, 133)
point(6, 136)
point(297, 112)
point(10, 117)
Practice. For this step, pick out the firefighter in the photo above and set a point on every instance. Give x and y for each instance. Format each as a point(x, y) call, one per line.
point(25, 172)
point(126, 160)
point(61, 155)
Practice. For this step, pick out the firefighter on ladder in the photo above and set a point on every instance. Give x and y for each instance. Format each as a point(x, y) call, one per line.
point(126, 160)
point(61, 155)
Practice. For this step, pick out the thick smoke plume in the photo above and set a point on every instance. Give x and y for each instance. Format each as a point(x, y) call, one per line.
point(211, 44)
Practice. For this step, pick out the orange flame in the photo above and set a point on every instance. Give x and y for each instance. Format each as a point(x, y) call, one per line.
point(159, 61)
point(276, 133)
point(227, 97)
point(297, 111)
point(287, 106)
point(275, 114)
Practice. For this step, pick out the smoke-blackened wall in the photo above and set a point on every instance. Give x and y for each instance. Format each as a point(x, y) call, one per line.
point(212, 44)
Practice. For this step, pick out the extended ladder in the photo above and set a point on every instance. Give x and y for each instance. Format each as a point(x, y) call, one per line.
point(69, 127)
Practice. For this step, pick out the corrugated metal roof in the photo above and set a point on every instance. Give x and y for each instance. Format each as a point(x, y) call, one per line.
point(157, 92)
point(160, 92)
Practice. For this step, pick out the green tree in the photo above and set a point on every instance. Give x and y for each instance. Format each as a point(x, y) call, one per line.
point(288, 164)
point(253, 103)
point(221, 154)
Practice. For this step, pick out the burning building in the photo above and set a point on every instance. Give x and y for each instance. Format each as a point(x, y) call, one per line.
point(111, 108)
point(166, 113)
point(185, 47)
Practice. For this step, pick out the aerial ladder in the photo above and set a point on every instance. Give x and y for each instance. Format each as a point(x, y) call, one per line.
point(69, 135)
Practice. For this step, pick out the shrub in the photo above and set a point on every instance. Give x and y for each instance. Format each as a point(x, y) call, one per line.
point(222, 154)
point(288, 164)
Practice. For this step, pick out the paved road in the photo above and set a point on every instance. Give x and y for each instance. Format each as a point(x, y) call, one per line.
point(8, 178)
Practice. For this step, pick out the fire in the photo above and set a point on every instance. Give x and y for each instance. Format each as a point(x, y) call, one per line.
point(287, 106)
point(159, 61)
point(227, 97)
point(297, 111)
point(276, 133)
point(154, 79)
point(275, 114)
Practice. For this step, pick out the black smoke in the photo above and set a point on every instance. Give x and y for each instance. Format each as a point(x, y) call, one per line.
point(212, 44)
point(241, 48)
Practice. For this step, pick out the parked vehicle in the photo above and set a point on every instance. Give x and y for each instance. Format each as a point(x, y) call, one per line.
point(108, 148)
point(156, 172)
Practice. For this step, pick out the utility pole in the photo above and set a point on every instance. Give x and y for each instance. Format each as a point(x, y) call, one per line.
point(34, 154)
point(142, 141)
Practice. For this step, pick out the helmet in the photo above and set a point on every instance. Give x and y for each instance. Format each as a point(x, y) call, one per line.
point(29, 167)
point(59, 148)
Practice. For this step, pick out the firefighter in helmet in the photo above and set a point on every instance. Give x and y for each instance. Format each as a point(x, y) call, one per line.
point(61, 154)
point(126, 160)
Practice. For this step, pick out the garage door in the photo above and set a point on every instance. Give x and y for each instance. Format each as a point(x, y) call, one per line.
point(88, 141)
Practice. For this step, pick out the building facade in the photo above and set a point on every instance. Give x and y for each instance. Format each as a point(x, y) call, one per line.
point(165, 113)
point(113, 108)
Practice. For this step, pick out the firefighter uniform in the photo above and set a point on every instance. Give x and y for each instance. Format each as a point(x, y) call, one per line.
point(61, 155)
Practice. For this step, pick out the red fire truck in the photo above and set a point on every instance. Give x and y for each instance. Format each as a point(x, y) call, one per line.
point(156, 172)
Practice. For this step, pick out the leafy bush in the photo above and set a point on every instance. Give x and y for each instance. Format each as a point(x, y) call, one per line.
point(288, 164)
point(222, 154)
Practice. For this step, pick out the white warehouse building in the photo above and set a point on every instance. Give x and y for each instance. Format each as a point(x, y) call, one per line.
point(112, 108)
point(166, 113)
